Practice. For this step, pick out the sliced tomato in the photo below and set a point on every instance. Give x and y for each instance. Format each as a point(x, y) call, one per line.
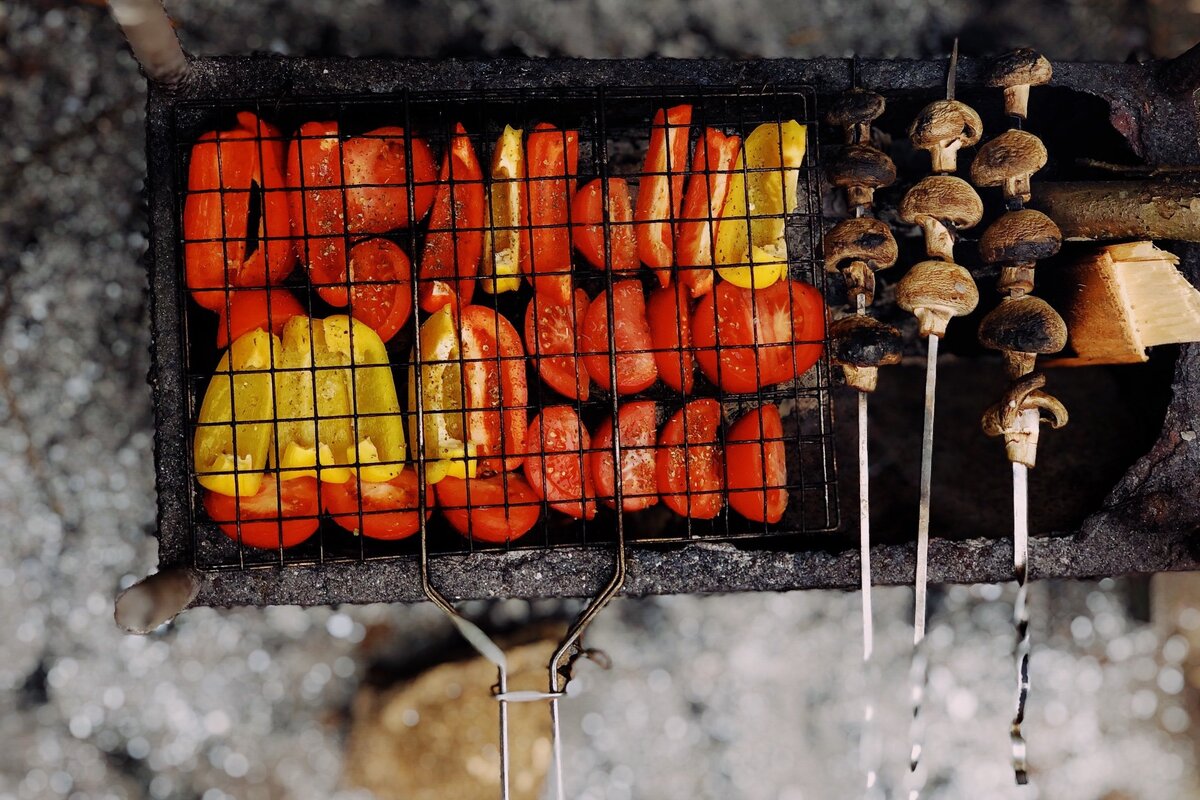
point(454, 242)
point(248, 309)
point(501, 508)
point(554, 333)
point(380, 286)
point(376, 179)
point(280, 515)
point(712, 173)
point(223, 245)
point(639, 485)
point(552, 159)
point(494, 379)
point(764, 336)
point(636, 369)
point(756, 463)
point(314, 178)
point(389, 510)
point(660, 189)
point(671, 335)
point(691, 474)
point(587, 225)
point(556, 465)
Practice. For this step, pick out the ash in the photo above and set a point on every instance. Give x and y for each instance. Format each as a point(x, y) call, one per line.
point(730, 697)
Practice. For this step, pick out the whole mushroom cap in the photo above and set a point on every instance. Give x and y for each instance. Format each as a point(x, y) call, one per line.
point(863, 341)
point(855, 107)
point(863, 239)
point(1019, 67)
point(942, 120)
point(943, 197)
point(1023, 325)
point(861, 165)
point(938, 284)
point(1020, 237)
point(1012, 154)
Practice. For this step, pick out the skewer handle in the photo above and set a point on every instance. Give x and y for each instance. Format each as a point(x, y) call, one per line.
point(1021, 616)
point(152, 38)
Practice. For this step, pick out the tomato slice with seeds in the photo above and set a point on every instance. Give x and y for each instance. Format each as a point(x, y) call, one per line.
point(248, 309)
point(764, 336)
point(690, 469)
point(671, 335)
point(556, 465)
point(757, 465)
point(636, 369)
point(381, 293)
point(587, 225)
point(390, 510)
point(495, 389)
point(314, 178)
point(502, 508)
point(281, 514)
point(639, 484)
point(553, 333)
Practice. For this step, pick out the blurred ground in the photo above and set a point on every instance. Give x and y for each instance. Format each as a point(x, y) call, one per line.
point(738, 697)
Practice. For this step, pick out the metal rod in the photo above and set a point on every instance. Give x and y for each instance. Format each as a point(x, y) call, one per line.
point(919, 670)
point(1021, 616)
point(951, 75)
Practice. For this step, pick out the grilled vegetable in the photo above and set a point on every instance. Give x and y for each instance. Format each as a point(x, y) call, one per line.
point(381, 292)
point(506, 216)
point(279, 514)
point(639, 484)
point(447, 449)
point(689, 465)
point(707, 190)
point(636, 369)
point(497, 509)
point(660, 189)
point(378, 510)
point(248, 309)
point(552, 161)
point(587, 225)
point(756, 465)
point(553, 335)
point(454, 242)
point(557, 464)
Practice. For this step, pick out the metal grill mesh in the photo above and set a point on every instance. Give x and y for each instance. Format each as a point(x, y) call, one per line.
point(613, 128)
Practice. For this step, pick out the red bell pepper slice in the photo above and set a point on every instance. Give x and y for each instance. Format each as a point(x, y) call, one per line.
point(318, 213)
point(454, 242)
point(712, 173)
point(223, 247)
point(552, 159)
point(587, 225)
point(495, 389)
point(660, 189)
point(268, 309)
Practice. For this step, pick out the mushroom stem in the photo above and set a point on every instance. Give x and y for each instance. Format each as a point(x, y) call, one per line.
point(1018, 418)
point(864, 379)
point(858, 132)
point(860, 195)
point(1016, 100)
point(1018, 188)
point(1016, 279)
point(1018, 364)
point(939, 240)
point(945, 156)
point(932, 321)
point(860, 281)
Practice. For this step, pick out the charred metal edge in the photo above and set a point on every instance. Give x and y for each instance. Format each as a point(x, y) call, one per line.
point(1148, 524)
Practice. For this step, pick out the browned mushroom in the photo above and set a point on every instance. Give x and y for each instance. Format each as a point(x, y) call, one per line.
point(942, 128)
point(860, 169)
point(1008, 161)
point(1017, 241)
point(857, 248)
point(1015, 72)
point(936, 291)
point(854, 111)
point(861, 345)
point(941, 205)
point(1021, 328)
point(1018, 418)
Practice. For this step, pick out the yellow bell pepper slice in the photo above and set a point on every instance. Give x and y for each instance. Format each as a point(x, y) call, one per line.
point(447, 453)
point(320, 384)
point(751, 248)
point(506, 215)
point(240, 389)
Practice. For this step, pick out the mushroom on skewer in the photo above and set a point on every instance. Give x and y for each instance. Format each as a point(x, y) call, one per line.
point(935, 292)
point(860, 169)
point(1015, 72)
point(857, 248)
point(941, 205)
point(1021, 327)
point(1009, 161)
point(1017, 241)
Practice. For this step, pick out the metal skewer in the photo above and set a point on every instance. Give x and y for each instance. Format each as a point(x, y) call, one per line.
point(1021, 615)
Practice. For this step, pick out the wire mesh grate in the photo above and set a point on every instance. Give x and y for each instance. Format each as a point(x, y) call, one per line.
point(336, 208)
